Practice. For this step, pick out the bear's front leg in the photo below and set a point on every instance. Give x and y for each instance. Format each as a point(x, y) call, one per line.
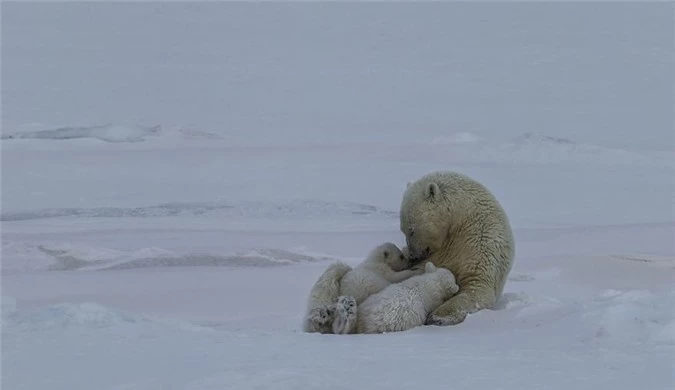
point(454, 310)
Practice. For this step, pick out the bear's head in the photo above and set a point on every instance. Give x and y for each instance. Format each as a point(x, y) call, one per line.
point(424, 218)
point(392, 256)
point(448, 282)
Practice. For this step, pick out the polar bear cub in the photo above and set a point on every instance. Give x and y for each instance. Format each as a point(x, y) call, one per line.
point(406, 305)
point(333, 299)
point(386, 264)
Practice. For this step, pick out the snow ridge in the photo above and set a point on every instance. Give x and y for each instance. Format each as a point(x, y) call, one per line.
point(298, 208)
point(107, 132)
point(70, 257)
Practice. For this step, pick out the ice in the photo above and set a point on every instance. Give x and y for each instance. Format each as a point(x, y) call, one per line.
point(176, 176)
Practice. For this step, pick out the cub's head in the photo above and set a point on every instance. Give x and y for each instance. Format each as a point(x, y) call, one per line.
point(390, 255)
point(424, 218)
point(444, 277)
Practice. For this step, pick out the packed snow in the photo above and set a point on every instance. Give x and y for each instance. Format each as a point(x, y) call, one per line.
point(176, 176)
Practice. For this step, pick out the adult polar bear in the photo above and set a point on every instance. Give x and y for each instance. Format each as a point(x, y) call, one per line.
point(455, 222)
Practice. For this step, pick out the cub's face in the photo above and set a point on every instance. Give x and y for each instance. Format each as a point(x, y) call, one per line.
point(423, 220)
point(393, 257)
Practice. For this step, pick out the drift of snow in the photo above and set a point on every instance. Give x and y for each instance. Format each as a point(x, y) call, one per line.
point(107, 132)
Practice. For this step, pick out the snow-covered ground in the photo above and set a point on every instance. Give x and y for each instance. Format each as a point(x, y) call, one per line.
point(176, 176)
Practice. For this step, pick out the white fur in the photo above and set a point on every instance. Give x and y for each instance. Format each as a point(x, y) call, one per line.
point(345, 315)
point(385, 265)
point(455, 222)
point(405, 305)
point(321, 303)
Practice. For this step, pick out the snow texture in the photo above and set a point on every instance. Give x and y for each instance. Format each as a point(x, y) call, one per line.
point(177, 175)
point(108, 133)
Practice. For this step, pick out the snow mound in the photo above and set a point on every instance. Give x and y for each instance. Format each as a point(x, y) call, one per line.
point(540, 139)
point(513, 300)
point(197, 134)
point(654, 260)
point(298, 208)
point(106, 132)
point(633, 317)
point(609, 319)
point(70, 257)
point(549, 149)
point(20, 256)
point(65, 315)
point(84, 315)
point(528, 148)
point(526, 304)
point(254, 258)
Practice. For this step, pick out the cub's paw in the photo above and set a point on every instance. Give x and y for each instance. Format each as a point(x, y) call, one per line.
point(419, 268)
point(346, 305)
point(322, 315)
point(345, 315)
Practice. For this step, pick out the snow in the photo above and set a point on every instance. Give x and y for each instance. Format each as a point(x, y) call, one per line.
point(175, 177)
point(107, 132)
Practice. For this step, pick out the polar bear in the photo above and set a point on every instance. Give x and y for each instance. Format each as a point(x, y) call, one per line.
point(322, 297)
point(405, 305)
point(384, 265)
point(454, 222)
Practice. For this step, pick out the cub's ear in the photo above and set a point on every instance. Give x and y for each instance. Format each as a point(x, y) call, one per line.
point(408, 185)
point(430, 267)
point(432, 191)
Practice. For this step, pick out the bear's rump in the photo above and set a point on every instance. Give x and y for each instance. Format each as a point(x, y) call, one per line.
point(390, 313)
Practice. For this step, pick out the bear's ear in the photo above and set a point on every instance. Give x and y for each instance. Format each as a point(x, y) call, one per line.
point(432, 192)
point(429, 267)
point(408, 185)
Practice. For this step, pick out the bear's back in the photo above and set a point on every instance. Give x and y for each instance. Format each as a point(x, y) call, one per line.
point(360, 283)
